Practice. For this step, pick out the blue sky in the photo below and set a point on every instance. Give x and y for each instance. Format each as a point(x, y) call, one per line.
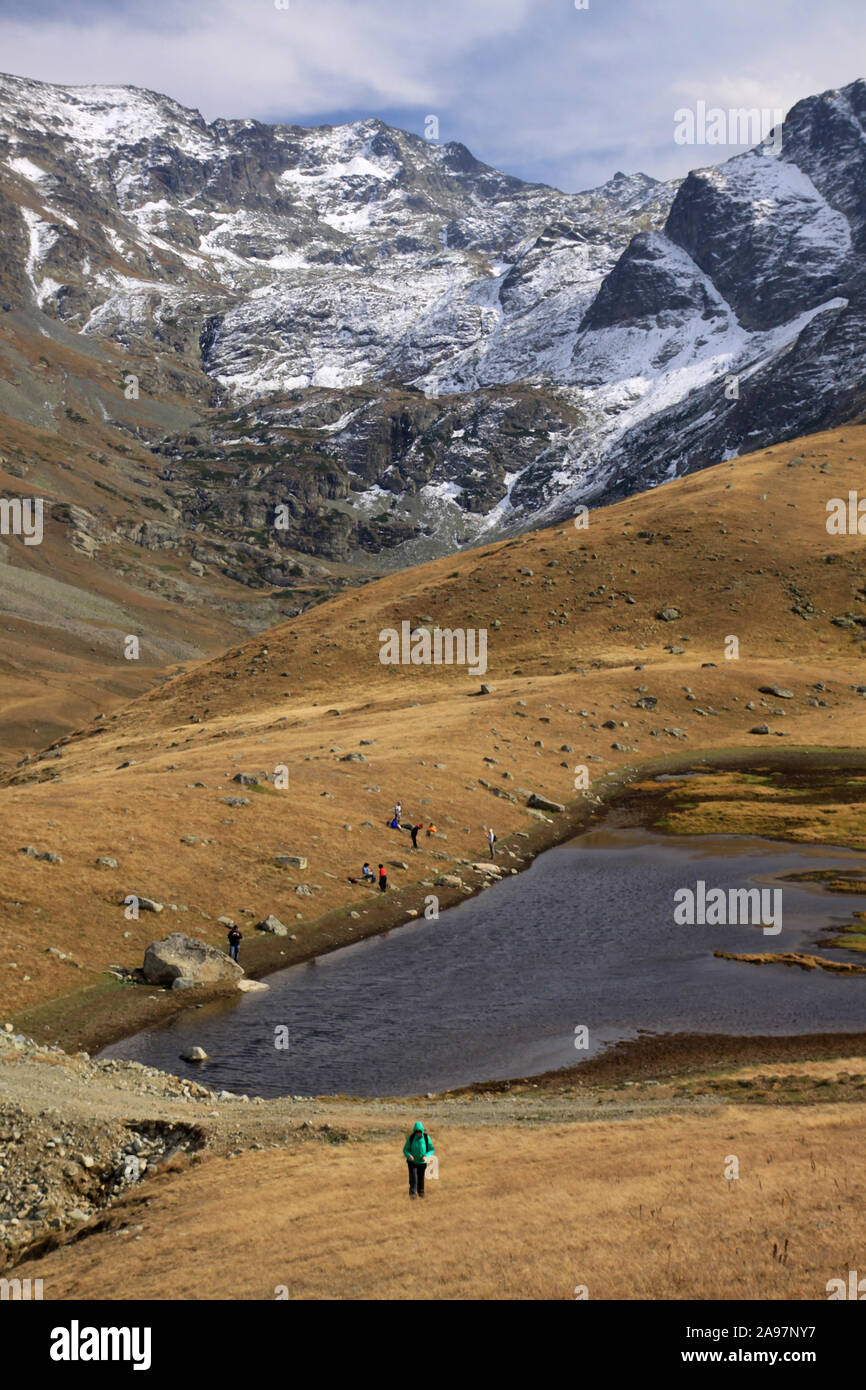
point(536, 87)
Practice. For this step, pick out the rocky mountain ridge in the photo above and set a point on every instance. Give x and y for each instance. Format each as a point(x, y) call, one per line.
point(403, 349)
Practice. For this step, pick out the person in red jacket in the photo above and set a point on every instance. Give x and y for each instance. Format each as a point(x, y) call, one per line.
point(383, 878)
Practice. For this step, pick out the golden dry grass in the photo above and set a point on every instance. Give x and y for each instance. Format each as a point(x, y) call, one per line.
point(630, 1210)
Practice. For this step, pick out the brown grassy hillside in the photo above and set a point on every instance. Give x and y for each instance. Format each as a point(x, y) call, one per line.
point(574, 640)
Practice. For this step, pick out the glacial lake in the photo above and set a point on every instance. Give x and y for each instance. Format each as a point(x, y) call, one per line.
point(585, 937)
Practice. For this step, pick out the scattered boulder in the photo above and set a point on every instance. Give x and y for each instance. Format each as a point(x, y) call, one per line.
point(290, 861)
point(246, 779)
point(543, 803)
point(669, 614)
point(180, 957)
point(194, 1054)
point(760, 729)
point(778, 690)
point(273, 925)
point(47, 855)
point(62, 955)
point(353, 758)
point(106, 862)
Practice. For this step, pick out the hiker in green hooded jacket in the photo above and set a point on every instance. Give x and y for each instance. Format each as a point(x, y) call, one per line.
point(416, 1149)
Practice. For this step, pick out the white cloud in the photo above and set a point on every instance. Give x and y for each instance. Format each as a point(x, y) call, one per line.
point(533, 86)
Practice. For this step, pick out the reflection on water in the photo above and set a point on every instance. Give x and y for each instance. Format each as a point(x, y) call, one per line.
point(497, 987)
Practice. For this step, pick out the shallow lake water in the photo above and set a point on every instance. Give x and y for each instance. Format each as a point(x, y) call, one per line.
point(496, 987)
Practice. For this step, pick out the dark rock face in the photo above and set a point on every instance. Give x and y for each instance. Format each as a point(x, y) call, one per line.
point(756, 283)
point(393, 444)
point(644, 285)
point(749, 259)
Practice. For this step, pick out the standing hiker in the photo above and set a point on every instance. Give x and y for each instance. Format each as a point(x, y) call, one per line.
point(383, 878)
point(491, 840)
point(235, 939)
point(415, 1150)
point(414, 833)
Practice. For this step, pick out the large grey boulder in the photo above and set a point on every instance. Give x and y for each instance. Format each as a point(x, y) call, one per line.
point(180, 957)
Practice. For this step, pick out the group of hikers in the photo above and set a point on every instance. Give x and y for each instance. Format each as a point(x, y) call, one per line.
point(396, 823)
point(368, 876)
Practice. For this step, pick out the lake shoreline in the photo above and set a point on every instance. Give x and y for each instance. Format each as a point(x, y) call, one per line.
point(666, 1056)
point(91, 1019)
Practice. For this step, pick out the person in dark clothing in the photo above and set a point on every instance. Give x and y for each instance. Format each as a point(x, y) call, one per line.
point(414, 833)
point(383, 878)
point(416, 1150)
point(235, 939)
